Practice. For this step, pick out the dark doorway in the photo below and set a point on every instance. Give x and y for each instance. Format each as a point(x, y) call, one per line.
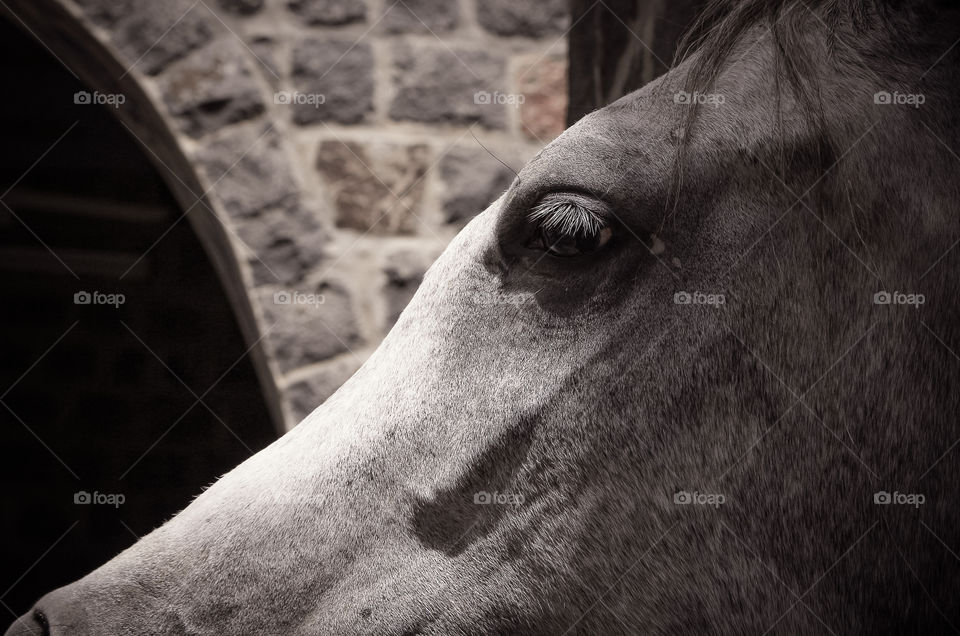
point(99, 397)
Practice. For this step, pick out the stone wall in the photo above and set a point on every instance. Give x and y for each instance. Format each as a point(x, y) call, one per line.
point(337, 142)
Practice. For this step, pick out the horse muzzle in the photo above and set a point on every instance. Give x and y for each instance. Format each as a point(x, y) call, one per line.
point(56, 614)
point(33, 623)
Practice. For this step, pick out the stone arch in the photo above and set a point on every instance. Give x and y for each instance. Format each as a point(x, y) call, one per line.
point(102, 395)
point(106, 45)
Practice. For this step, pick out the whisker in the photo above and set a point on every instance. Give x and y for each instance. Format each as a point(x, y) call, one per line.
point(489, 152)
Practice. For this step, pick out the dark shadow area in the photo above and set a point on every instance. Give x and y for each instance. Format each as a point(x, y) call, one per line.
point(464, 514)
point(618, 46)
point(101, 397)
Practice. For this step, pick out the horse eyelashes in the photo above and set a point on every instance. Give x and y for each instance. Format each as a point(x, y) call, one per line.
point(569, 225)
point(567, 214)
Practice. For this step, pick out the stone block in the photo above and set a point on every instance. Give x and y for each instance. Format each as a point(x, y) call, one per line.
point(154, 34)
point(308, 325)
point(420, 16)
point(543, 84)
point(529, 19)
point(249, 170)
point(212, 88)
point(472, 180)
point(333, 81)
point(241, 7)
point(328, 12)
point(287, 243)
point(438, 85)
point(377, 187)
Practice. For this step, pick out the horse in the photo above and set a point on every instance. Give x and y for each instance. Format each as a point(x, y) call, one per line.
point(694, 372)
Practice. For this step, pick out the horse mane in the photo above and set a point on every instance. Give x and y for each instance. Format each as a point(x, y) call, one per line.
point(722, 23)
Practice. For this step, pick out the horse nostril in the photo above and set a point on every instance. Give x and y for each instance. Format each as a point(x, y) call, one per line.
point(33, 624)
point(41, 619)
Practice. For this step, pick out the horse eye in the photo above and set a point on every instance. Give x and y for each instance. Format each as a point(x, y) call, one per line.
point(559, 242)
point(569, 224)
